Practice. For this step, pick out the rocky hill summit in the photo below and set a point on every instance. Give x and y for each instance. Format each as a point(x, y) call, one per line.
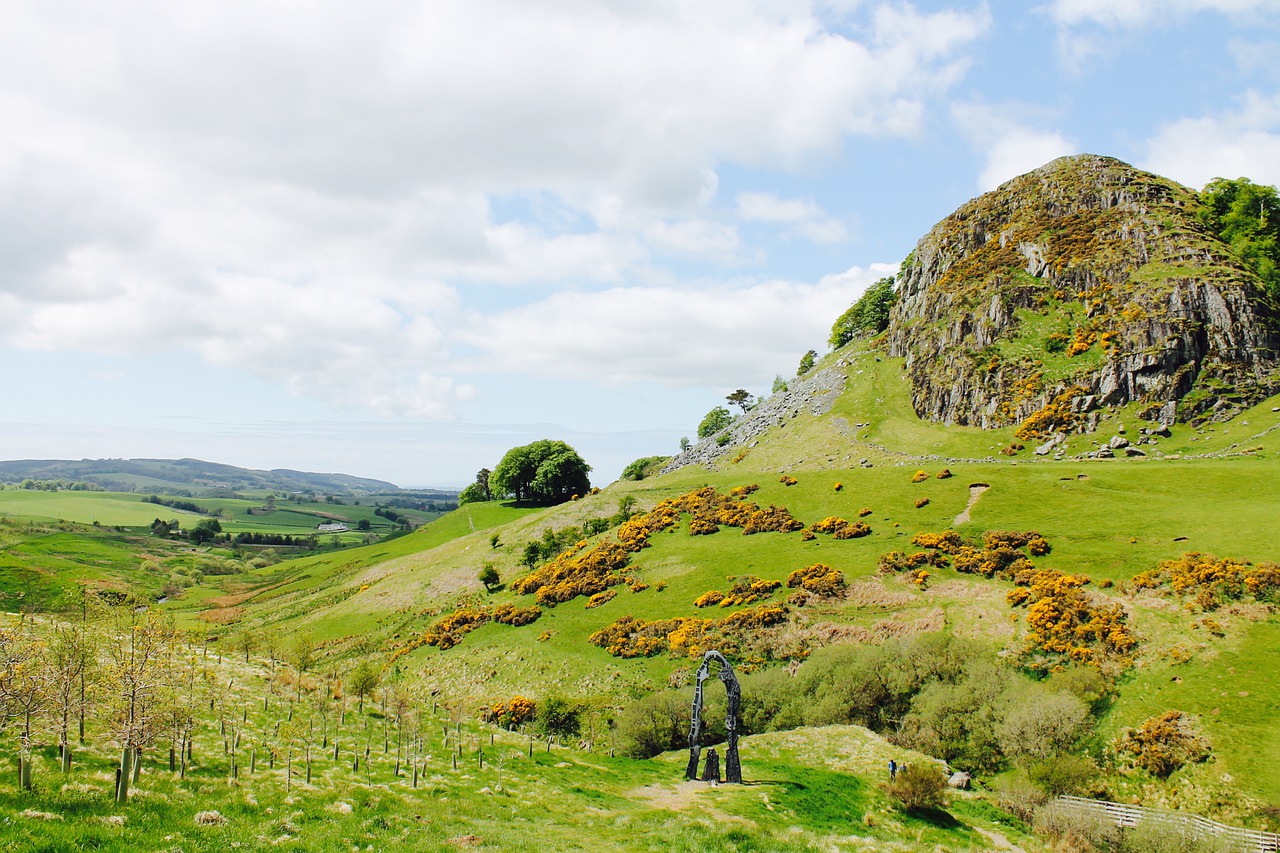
point(1083, 284)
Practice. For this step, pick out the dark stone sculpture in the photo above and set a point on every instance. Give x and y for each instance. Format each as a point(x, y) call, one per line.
point(711, 773)
point(732, 767)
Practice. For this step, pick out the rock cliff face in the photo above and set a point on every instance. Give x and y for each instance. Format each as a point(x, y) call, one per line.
point(1085, 283)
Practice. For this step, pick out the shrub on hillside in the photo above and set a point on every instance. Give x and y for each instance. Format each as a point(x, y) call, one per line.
point(558, 717)
point(510, 614)
point(948, 541)
point(1056, 416)
point(710, 598)
point(646, 466)
point(654, 724)
point(1212, 580)
point(735, 635)
point(1165, 743)
point(820, 580)
point(899, 561)
point(841, 529)
point(918, 787)
point(513, 713)
point(1066, 624)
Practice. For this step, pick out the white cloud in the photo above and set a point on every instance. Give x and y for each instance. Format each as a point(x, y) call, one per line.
point(1233, 144)
point(1092, 29)
point(768, 207)
point(309, 192)
point(1009, 147)
point(802, 217)
point(699, 237)
point(717, 336)
point(1118, 14)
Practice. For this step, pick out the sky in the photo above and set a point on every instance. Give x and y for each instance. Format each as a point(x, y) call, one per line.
point(394, 239)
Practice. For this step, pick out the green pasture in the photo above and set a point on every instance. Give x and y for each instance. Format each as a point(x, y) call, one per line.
point(107, 508)
point(234, 514)
point(1231, 686)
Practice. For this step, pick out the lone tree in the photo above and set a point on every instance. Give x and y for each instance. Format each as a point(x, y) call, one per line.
point(364, 679)
point(740, 398)
point(545, 472)
point(479, 490)
point(716, 420)
point(489, 577)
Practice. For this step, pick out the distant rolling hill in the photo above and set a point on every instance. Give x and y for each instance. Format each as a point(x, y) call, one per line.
point(192, 475)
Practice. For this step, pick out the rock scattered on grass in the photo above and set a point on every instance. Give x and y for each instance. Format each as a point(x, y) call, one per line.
point(210, 818)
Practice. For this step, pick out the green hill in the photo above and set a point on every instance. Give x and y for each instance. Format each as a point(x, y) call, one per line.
point(184, 476)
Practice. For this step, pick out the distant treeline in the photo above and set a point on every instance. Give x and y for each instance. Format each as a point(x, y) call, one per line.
point(446, 504)
point(187, 506)
point(58, 485)
point(275, 539)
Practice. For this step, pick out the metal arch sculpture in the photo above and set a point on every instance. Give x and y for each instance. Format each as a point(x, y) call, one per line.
point(732, 767)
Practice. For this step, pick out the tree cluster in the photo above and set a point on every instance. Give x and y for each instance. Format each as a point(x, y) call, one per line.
point(1247, 216)
point(544, 472)
point(868, 316)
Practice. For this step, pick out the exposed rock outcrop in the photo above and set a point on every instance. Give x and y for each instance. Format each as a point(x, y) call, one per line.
point(815, 394)
point(1083, 284)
